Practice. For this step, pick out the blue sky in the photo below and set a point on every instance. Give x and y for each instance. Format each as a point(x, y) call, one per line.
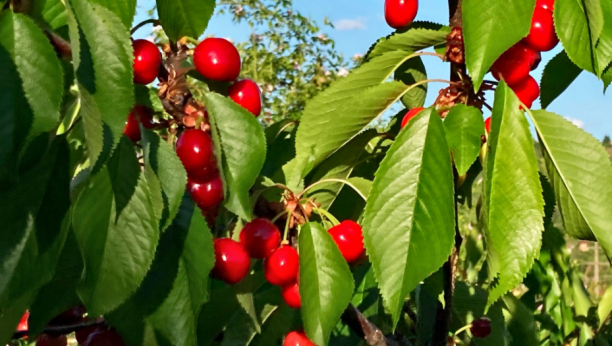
point(359, 23)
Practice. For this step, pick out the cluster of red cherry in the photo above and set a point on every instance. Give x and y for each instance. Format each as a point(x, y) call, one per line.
point(94, 335)
point(516, 63)
point(218, 60)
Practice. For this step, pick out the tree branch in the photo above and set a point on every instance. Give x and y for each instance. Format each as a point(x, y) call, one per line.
point(63, 330)
point(372, 335)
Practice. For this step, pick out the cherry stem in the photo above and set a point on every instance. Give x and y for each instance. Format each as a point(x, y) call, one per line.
point(442, 57)
point(325, 213)
point(286, 234)
point(488, 106)
point(279, 216)
point(462, 329)
point(332, 180)
point(192, 40)
point(155, 22)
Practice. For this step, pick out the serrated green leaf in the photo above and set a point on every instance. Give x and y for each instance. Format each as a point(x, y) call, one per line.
point(184, 17)
point(338, 166)
point(464, 130)
point(603, 49)
point(243, 150)
point(117, 230)
point(580, 172)
point(486, 37)
point(279, 324)
point(558, 74)
point(32, 88)
point(513, 206)
point(409, 218)
point(607, 77)
point(217, 313)
point(362, 186)
point(410, 72)
point(519, 322)
point(419, 35)
point(169, 170)
point(50, 12)
point(102, 58)
point(124, 9)
point(605, 306)
point(326, 282)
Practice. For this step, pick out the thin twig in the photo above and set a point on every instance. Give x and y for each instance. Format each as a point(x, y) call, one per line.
point(155, 22)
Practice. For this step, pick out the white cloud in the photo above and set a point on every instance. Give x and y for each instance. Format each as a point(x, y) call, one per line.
point(576, 122)
point(350, 24)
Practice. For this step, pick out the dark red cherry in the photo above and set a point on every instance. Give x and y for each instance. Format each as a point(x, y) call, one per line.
point(291, 295)
point(527, 91)
point(82, 334)
point(488, 125)
point(23, 323)
point(232, 262)
point(247, 94)
point(217, 59)
point(131, 129)
point(104, 337)
point(537, 61)
point(146, 61)
point(349, 238)
point(514, 65)
point(542, 36)
point(481, 328)
point(72, 316)
point(282, 266)
point(400, 13)
point(195, 149)
point(48, 340)
point(260, 238)
point(207, 195)
point(546, 4)
point(145, 116)
point(297, 338)
point(411, 114)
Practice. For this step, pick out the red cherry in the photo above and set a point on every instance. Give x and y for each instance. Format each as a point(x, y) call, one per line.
point(145, 116)
point(48, 340)
point(72, 316)
point(514, 65)
point(527, 91)
point(232, 261)
point(195, 149)
point(488, 124)
point(400, 13)
point(282, 266)
point(542, 36)
point(260, 238)
point(291, 295)
point(146, 61)
point(297, 339)
point(82, 334)
point(546, 4)
point(131, 129)
point(536, 61)
point(104, 337)
point(217, 59)
point(349, 238)
point(247, 94)
point(207, 195)
point(411, 114)
point(23, 323)
point(481, 328)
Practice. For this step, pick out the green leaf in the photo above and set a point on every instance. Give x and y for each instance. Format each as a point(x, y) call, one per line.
point(580, 173)
point(169, 170)
point(326, 282)
point(280, 323)
point(184, 17)
point(513, 206)
point(520, 322)
point(487, 37)
point(579, 24)
point(117, 230)
point(605, 306)
point(50, 12)
point(361, 185)
point(217, 313)
point(419, 35)
point(603, 49)
point(464, 130)
point(559, 73)
point(102, 58)
point(338, 166)
point(124, 9)
point(410, 72)
point(409, 222)
point(32, 88)
point(243, 150)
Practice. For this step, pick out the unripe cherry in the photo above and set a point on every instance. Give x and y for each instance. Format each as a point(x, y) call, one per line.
point(527, 91)
point(291, 295)
point(481, 328)
point(349, 238)
point(411, 114)
point(488, 125)
point(297, 338)
point(282, 266)
point(546, 4)
point(400, 13)
point(260, 238)
point(147, 59)
point(247, 94)
point(195, 149)
point(515, 64)
point(217, 59)
point(542, 36)
point(48, 340)
point(207, 195)
point(232, 262)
